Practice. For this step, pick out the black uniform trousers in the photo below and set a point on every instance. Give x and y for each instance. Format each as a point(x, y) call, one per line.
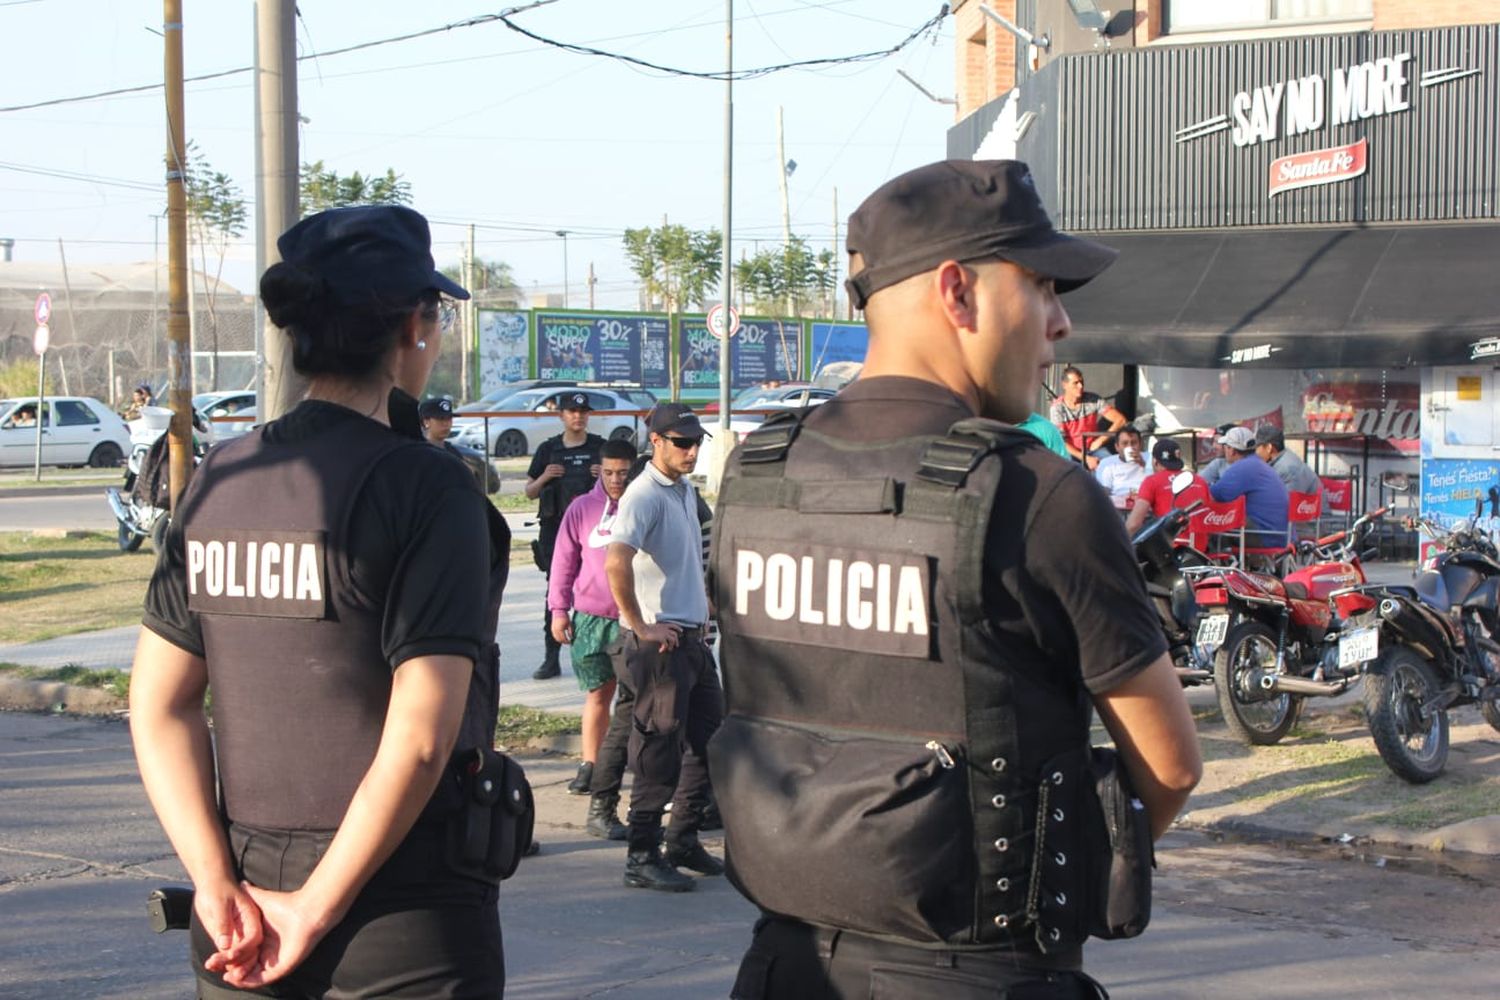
point(417, 929)
point(614, 749)
point(546, 541)
point(790, 960)
point(678, 705)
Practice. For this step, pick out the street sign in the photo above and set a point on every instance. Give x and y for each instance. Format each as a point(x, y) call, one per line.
point(43, 309)
point(41, 339)
point(716, 321)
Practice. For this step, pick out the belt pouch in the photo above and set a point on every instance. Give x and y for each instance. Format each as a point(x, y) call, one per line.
point(493, 826)
point(1120, 831)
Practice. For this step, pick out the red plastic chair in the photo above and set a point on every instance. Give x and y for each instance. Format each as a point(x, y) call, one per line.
point(1302, 508)
point(1226, 518)
point(1338, 491)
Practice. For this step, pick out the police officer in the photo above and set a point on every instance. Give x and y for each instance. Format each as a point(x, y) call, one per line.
point(337, 582)
point(436, 415)
point(918, 608)
point(564, 467)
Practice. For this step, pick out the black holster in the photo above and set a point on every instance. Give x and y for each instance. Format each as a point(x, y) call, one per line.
point(491, 831)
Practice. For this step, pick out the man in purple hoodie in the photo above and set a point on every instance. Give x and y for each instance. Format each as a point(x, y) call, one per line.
point(584, 616)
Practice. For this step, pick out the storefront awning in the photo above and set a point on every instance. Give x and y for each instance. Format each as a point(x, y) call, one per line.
point(1368, 298)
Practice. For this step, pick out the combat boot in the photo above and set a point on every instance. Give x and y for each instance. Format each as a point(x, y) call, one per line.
point(689, 853)
point(602, 821)
point(645, 868)
point(551, 667)
point(582, 780)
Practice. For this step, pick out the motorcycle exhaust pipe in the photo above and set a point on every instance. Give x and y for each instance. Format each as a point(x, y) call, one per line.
point(1190, 676)
point(1285, 684)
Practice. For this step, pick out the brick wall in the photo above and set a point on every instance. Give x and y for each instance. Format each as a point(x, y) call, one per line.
point(986, 57)
point(1394, 14)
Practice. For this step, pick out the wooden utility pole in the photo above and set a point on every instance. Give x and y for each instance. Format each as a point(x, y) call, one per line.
point(469, 339)
point(179, 355)
point(786, 211)
point(276, 184)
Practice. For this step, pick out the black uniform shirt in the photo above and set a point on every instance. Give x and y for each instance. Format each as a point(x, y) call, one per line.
point(577, 479)
point(413, 529)
point(1061, 578)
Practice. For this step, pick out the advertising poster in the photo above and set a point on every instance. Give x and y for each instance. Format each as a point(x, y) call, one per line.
point(504, 348)
point(593, 347)
point(764, 350)
point(1450, 487)
point(834, 343)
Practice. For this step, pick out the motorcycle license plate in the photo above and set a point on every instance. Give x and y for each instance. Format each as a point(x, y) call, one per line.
point(1359, 646)
point(1212, 630)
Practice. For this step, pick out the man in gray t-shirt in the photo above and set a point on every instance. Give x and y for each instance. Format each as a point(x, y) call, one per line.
point(655, 570)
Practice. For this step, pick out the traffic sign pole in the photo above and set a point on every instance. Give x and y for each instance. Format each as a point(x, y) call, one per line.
point(41, 409)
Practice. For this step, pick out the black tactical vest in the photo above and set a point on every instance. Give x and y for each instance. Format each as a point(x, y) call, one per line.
point(885, 766)
point(299, 681)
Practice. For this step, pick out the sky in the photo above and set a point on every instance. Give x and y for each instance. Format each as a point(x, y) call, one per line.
point(489, 127)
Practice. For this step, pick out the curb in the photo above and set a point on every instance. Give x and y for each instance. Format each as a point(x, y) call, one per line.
point(56, 698)
point(54, 491)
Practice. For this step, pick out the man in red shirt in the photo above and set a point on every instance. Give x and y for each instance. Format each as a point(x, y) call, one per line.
point(1076, 413)
point(1155, 495)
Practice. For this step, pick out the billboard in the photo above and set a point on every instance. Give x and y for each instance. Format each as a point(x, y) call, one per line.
point(836, 342)
point(602, 347)
point(763, 350)
point(503, 347)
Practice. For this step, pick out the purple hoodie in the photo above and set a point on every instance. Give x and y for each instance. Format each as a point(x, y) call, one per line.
point(577, 581)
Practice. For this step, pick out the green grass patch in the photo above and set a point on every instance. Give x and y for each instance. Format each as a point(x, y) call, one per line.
point(512, 501)
point(60, 586)
point(116, 682)
point(519, 724)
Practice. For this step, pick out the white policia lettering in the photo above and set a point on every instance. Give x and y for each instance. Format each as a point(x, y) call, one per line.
point(859, 594)
point(288, 571)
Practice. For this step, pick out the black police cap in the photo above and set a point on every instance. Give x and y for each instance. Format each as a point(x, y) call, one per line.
point(368, 250)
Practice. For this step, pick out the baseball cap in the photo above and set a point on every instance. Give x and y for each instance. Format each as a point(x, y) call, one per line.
point(1238, 438)
point(1167, 453)
point(675, 418)
point(365, 250)
point(963, 210)
point(574, 401)
point(439, 407)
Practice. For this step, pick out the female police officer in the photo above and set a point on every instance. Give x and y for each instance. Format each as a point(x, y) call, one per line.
point(322, 577)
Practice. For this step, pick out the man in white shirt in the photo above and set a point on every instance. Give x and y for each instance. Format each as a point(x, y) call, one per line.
point(1121, 473)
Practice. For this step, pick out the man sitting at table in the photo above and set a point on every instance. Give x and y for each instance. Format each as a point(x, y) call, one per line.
point(1121, 473)
point(1250, 477)
point(1155, 497)
point(1270, 445)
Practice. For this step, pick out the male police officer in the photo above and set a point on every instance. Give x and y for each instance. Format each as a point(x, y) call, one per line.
point(918, 608)
point(564, 467)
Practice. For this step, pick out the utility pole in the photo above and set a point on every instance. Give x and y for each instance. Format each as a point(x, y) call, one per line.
point(470, 335)
point(72, 318)
point(179, 354)
point(276, 176)
point(833, 289)
point(786, 211)
point(592, 282)
point(726, 263)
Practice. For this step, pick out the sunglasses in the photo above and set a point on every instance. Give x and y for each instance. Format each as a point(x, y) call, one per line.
point(685, 443)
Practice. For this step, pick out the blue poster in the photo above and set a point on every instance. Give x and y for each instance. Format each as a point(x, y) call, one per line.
point(835, 342)
point(762, 350)
point(590, 347)
point(1450, 486)
point(503, 347)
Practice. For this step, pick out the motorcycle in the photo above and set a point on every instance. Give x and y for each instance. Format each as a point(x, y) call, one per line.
point(1163, 559)
point(1439, 648)
point(1275, 641)
point(140, 503)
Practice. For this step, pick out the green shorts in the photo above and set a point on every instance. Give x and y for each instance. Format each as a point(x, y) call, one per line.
point(593, 639)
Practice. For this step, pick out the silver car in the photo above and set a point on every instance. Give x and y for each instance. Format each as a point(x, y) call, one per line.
point(76, 430)
point(517, 435)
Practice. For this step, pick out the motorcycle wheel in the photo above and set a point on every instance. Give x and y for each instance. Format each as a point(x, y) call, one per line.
point(1491, 713)
point(129, 540)
point(1397, 685)
point(1259, 719)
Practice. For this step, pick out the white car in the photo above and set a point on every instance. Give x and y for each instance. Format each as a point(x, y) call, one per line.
point(76, 430)
point(214, 406)
point(783, 398)
point(512, 437)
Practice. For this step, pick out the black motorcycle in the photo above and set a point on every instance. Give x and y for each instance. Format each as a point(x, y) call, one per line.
point(1162, 559)
point(1439, 648)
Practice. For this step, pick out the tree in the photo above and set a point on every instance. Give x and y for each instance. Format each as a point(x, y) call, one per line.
point(323, 188)
point(492, 279)
point(790, 278)
point(216, 210)
point(677, 266)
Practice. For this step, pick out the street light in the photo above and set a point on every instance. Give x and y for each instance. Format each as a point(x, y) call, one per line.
point(564, 234)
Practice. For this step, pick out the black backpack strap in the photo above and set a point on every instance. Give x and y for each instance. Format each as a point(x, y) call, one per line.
point(769, 443)
point(949, 460)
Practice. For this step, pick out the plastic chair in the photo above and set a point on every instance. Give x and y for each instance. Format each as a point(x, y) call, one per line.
point(1226, 518)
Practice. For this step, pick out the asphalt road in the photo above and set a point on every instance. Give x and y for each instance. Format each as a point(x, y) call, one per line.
point(79, 850)
point(33, 513)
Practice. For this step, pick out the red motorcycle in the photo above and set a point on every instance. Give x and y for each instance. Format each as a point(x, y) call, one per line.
point(1277, 640)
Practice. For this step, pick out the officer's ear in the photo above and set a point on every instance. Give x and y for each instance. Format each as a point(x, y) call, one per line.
point(955, 285)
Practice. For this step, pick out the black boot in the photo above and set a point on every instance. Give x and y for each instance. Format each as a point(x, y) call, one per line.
point(583, 779)
point(602, 821)
point(550, 667)
point(647, 869)
point(690, 854)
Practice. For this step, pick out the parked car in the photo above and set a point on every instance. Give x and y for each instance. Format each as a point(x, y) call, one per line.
point(781, 398)
point(76, 430)
point(512, 437)
point(785, 394)
point(226, 403)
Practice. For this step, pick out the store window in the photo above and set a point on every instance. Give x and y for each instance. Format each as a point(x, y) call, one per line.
point(1214, 15)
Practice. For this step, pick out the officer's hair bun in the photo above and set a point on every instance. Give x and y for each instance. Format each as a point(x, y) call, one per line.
point(331, 337)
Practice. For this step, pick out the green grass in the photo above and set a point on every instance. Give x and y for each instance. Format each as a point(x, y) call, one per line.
point(116, 682)
point(519, 724)
point(60, 586)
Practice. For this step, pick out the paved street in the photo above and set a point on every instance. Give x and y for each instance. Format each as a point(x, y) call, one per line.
point(79, 851)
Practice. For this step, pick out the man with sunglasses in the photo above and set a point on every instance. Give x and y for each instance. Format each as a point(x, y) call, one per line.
point(655, 571)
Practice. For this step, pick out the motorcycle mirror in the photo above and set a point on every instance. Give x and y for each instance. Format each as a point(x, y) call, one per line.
point(1495, 501)
point(1181, 482)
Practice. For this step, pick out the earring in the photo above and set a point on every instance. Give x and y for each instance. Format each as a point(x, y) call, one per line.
point(421, 345)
